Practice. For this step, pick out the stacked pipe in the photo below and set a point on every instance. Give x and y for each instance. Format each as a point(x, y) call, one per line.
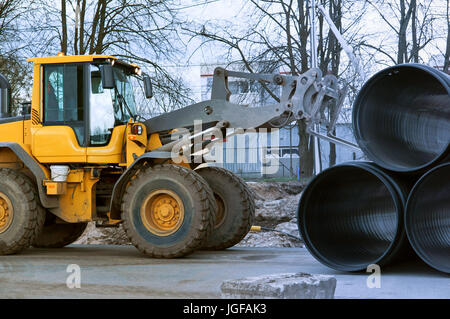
point(361, 213)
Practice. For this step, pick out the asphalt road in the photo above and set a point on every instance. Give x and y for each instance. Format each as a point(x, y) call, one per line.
point(122, 272)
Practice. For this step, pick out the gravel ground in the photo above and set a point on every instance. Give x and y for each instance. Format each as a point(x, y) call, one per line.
point(276, 206)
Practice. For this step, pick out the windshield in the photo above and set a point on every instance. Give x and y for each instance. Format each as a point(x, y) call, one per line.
point(125, 90)
point(107, 108)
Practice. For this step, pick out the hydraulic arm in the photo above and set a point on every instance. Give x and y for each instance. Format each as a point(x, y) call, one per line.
point(310, 97)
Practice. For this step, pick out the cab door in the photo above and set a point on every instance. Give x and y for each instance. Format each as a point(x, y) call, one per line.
point(106, 133)
point(63, 137)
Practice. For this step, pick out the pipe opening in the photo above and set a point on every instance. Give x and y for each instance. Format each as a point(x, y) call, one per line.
point(427, 219)
point(402, 117)
point(349, 217)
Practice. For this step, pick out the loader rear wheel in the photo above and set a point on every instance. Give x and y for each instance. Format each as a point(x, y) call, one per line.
point(21, 215)
point(236, 207)
point(55, 235)
point(168, 211)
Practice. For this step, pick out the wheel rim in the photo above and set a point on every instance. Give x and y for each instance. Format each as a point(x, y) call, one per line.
point(162, 212)
point(221, 210)
point(6, 213)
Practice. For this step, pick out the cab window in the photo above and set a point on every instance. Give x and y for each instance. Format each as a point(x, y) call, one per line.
point(109, 107)
point(63, 97)
point(101, 111)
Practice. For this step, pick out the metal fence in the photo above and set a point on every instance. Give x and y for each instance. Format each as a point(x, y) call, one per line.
point(246, 155)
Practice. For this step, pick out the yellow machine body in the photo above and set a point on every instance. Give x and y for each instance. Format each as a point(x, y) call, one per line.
point(58, 144)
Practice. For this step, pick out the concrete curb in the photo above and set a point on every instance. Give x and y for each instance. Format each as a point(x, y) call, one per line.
point(280, 286)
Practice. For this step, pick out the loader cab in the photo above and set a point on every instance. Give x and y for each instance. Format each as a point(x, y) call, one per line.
point(75, 118)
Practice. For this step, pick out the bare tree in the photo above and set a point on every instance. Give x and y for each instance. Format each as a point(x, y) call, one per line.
point(329, 52)
point(447, 51)
point(8, 14)
point(139, 31)
point(63, 27)
point(10, 11)
point(278, 40)
point(11, 64)
point(411, 23)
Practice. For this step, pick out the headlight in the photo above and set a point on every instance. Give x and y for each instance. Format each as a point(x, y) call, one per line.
point(136, 129)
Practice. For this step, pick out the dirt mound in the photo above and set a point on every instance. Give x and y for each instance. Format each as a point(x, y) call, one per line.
point(273, 212)
point(275, 190)
point(268, 239)
point(108, 236)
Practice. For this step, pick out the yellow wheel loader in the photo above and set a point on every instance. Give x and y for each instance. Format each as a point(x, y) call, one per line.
point(80, 154)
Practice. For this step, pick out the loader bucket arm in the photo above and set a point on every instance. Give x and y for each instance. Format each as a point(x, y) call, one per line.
point(303, 97)
point(298, 99)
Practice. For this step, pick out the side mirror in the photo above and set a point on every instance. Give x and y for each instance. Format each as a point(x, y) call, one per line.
point(107, 74)
point(148, 89)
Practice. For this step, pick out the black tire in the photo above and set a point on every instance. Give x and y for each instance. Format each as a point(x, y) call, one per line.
point(236, 208)
point(28, 214)
point(195, 197)
point(55, 235)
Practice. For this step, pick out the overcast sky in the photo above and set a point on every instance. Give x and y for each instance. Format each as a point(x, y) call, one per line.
point(237, 14)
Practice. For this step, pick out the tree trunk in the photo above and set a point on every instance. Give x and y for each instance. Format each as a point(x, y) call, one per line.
point(303, 35)
point(335, 53)
point(92, 37)
point(415, 44)
point(64, 27)
point(82, 49)
point(306, 151)
point(333, 154)
point(405, 17)
point(306, 145)
point(101, 30)
point(77, 27)
point(447, 52)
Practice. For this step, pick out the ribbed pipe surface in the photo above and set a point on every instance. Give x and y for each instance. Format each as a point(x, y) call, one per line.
point(401, 118)
point(351, 216)
point(427, 218)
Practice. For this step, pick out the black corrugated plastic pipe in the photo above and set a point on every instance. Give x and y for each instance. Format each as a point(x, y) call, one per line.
point(427, 217)
point(352, 215)
point(401, 118)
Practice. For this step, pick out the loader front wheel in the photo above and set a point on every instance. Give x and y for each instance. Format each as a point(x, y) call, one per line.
point(55, 235)
point(168, 211)
point(236, 207)
point(21, 215)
